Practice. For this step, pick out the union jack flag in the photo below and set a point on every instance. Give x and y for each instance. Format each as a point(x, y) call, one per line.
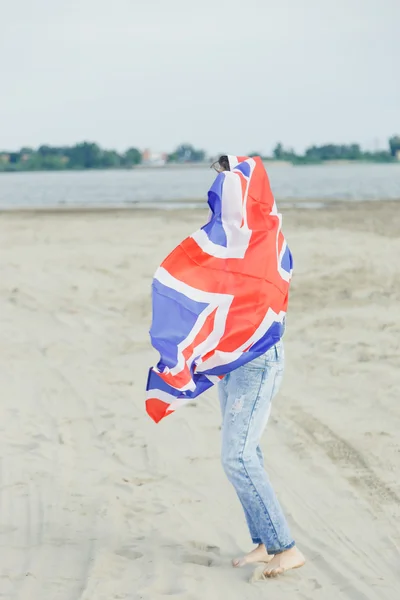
point(220, 298)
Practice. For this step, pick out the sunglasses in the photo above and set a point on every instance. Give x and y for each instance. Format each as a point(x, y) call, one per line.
point(217, 167)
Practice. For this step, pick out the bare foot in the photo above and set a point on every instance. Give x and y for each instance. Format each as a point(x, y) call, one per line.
point(290, 559)
point(259, 554)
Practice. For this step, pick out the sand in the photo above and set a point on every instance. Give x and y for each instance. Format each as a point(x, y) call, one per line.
point(99, 503)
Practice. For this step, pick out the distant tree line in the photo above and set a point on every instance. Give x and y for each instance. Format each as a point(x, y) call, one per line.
point(88, 155)
point(81, 156)
point(334, 152)
point(186, 153)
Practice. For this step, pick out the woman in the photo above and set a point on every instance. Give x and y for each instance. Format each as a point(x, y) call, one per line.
point(245, 396)
point(225, 290)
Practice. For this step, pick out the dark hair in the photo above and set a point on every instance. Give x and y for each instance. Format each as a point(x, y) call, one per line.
point(224, 162)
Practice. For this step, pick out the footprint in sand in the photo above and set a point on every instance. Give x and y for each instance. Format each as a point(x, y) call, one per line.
point(204, 560)
point(205, 547)
point(197, 559)
point(129, 552)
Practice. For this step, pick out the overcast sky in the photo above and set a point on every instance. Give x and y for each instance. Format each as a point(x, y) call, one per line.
point(232, 76)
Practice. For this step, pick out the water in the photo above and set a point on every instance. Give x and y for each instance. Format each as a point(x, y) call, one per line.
point(171, 187)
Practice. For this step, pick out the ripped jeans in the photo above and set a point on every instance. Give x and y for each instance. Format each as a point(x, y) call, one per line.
point(245, 396)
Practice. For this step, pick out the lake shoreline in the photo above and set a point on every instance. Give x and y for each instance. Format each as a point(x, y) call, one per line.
point(181, 206)
point(205, 165)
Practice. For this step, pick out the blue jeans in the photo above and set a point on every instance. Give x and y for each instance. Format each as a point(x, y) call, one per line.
point(246, 395)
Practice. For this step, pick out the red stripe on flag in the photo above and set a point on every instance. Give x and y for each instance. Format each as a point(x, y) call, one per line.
point(243, 183)
point(281, 240)
point(156, 409)
point(208, 355)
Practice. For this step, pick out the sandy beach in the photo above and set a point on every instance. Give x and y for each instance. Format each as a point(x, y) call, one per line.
point(99, 503)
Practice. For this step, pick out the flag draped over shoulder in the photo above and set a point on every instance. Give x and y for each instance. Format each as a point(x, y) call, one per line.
point(220, 298)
